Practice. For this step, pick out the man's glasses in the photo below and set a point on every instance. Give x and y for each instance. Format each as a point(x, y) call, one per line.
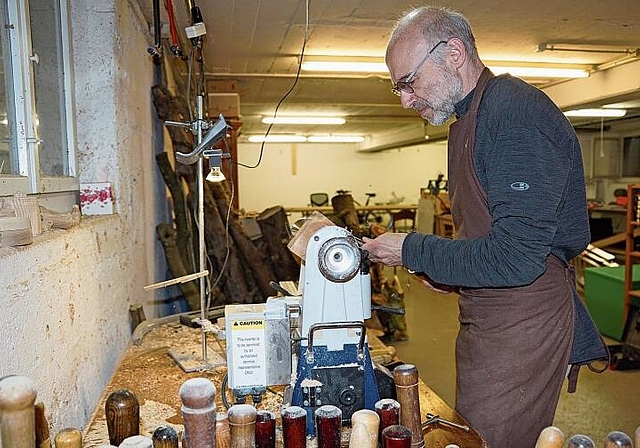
point(405, 86)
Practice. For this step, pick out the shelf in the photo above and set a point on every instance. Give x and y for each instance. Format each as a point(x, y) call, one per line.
point(634, 293)
point(632, 255)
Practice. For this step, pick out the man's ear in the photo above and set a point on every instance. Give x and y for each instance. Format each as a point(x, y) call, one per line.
point(457, 52)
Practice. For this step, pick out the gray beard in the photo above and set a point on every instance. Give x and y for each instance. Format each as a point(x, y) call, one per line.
point(447, 92)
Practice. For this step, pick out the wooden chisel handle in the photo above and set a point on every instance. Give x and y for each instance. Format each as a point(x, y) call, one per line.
point(406, 379)
point(199, 413)
point(17, 412)
point(122, 411)
point(68, 438)
point(550, 437)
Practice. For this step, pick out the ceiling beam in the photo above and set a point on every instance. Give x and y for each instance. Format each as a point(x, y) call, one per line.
point(600, 88)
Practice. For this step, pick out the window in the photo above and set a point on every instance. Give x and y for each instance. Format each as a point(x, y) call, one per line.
point(37, 145)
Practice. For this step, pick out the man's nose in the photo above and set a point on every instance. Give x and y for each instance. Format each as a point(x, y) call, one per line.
point(407, 99)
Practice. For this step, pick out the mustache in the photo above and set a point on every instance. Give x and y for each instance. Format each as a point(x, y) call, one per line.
point(419, 104)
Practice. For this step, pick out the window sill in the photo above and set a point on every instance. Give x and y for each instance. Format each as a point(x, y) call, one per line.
point(87, 223)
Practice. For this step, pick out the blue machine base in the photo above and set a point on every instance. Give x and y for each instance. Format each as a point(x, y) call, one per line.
point(329, 367)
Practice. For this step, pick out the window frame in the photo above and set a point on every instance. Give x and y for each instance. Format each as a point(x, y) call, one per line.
point(23, 110)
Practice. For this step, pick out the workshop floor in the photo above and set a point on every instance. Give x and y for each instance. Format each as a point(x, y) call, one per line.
point(603, 402)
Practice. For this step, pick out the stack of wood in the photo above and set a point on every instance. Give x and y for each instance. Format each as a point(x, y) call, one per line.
point(240, 268)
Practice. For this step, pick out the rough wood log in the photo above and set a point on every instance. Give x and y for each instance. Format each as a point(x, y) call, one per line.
point(274, 226)
point(167, 237)
point(262, 272)
point(345, 209)
point(233, 281)
point(181, 218)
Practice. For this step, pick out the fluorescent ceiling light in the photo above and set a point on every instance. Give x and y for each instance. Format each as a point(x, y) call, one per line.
point(540, 72)
point(277, 138)
point(596, 113)
point(304, 120)
point(360, 64)
point(377, 65)
point(335, 138)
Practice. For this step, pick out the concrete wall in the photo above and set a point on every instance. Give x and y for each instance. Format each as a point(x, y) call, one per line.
point(65, 298)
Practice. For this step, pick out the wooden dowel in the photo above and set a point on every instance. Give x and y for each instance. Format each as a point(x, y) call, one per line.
point(199, 412)
point(636, 437)
point(122, 411)
point(136, 442)
point(328, 426)
point(165, 436)
point(550, 437)
point(617, 439)
point(223, 434)
point(294, 427)
point(364, 429)
point(17, 413)
point(406, 379)
point(43, 437)
point(242, 425)
point(68, 438)
point(396, 436)
point(580, 441)
point(265, 429)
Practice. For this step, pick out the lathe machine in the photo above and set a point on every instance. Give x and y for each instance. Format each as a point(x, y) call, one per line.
point(313, 342)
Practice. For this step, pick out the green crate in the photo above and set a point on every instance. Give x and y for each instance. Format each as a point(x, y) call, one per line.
point(604, 294)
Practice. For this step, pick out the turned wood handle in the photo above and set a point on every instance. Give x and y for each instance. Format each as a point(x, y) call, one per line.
point(122, 411)
point(617, 439)
point(388, 410)
point(17, 412)
point(165, 437)
point(364, 429)
point(328, 426)
point(396, 436)
point(199, 412)
point(265, 429)
point(68, 438)
point(242, 425)
point(43, 437)
point(294, 427)
point(223, 434)
point(136, 442)
point(636, 437)
point(406, 379)
point(580, 441)
point(550, 437)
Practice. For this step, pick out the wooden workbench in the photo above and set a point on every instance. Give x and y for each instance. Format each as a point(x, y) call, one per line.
point(155, 378)
point(365, 208)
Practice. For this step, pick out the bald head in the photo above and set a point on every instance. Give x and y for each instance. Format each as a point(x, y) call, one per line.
point(432, 24)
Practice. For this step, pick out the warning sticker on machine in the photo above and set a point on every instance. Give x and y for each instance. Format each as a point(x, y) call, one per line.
point(247, 324)
point(248, 367)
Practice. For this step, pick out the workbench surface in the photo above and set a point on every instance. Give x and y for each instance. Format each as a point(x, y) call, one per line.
point(155, 378)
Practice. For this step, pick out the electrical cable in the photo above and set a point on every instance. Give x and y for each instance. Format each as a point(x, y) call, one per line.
point(284, 97)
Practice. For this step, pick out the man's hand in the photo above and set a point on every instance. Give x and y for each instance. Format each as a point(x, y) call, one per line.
point(386, 248)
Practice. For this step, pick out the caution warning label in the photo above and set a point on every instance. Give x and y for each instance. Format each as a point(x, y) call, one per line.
point(247, 344)
point(250, 324)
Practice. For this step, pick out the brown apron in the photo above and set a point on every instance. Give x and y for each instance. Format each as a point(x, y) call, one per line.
point(514, 343)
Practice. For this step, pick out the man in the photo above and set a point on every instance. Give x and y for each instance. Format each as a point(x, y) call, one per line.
point(518, 202)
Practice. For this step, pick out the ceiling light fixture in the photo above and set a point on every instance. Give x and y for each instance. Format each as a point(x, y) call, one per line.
point(588, 48)
point(359, 64)
point(335, 139)
point(277, 138)
point(607, 113)
point(540, 72)
point(377, 65)
point(303, 120)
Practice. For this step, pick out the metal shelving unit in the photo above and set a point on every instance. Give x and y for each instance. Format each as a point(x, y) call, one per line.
point(632, 253)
